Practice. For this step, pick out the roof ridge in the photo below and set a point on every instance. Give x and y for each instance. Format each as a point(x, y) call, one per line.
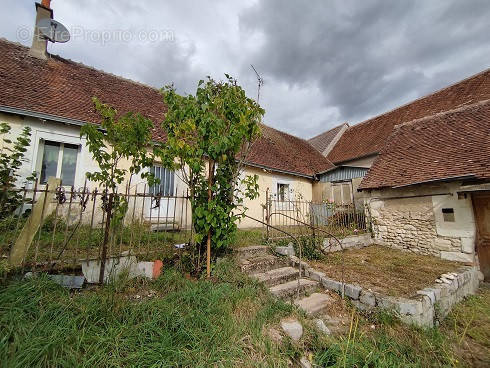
point(303, 140)
point(442, 113)
point(57, 57)
point(420, 98)
point(283, 132)
point(326, 131)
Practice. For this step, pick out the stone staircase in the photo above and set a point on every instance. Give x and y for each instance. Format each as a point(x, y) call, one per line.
point(281, 277)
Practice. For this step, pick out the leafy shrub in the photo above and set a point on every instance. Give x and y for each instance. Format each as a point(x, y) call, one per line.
point(11, 159)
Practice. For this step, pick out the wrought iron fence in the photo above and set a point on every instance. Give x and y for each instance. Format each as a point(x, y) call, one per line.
point(296, 216)
point(64, 226)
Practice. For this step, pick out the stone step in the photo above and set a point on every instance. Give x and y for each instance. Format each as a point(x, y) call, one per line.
point(289, 289)
point(255, 265)
point(277, 276)
point(314, 304)
point(253, 251)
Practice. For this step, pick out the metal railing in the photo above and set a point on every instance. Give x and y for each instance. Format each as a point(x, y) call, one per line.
point(76, 225)
point(298, 243)
point(292, 215)
point(298, 240)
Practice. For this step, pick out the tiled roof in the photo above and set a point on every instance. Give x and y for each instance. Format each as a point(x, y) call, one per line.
point(281, 151)
point(447, 145)
point(323, 140)
point(370, 136)
point(63, 88)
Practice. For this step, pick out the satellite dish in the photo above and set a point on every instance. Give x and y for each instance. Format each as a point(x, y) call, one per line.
point(53, 30)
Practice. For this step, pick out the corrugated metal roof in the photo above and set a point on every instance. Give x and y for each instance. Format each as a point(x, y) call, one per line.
point(344, 173)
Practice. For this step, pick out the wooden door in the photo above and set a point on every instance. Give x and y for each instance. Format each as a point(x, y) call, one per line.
point(481, 205)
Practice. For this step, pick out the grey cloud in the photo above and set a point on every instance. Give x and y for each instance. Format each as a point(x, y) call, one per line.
point(370, 56)
point(324, 62)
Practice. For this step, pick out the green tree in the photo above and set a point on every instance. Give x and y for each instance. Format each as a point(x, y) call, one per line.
point(118, 138)
point(214, 128)
point(11, 158)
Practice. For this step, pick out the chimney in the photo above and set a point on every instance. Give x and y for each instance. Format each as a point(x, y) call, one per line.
point(39, 42)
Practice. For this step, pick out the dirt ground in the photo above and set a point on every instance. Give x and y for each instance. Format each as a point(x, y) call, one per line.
point(385, 270)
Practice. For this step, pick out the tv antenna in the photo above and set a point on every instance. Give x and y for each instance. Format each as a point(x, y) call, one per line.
point(53, 30)
point(260, 81)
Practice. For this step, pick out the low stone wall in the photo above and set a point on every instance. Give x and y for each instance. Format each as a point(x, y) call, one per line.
point(424, 309)
point(353, 241)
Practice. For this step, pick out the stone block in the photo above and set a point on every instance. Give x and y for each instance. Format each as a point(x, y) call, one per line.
point(443, 244)
point(421, 320)
point(352, 291)
point(468, 245)
point(428, 293)
point(457, 256)
point(461, 280)
point(292, 328)
point(315, 275)
point(386, 302)
point(367, 298)
point(408, 306)
point(331, 284)
point(320, 325)
point(286, 250)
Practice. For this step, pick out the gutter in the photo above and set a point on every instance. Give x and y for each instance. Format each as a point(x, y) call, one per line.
point(311, 177)
point(447, 179)
point(60, 119)
point(43, 116)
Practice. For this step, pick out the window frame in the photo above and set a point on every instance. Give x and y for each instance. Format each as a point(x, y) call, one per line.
point(287, 203)
point(40, 155)
point(171, 176)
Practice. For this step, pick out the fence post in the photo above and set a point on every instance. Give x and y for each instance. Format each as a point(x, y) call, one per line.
point(267, 214)
point(106, 238)
point(210, 195)
point(43, 206)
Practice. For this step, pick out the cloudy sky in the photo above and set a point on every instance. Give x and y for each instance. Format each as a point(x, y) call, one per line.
point(323, 62)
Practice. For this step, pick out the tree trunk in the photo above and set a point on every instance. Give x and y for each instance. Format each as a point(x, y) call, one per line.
point(210, 196)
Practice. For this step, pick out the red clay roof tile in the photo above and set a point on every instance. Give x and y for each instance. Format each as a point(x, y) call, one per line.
point(285, 152)
point(370, 136)
point(323, 140)
point(451, 144)
point(63, 88)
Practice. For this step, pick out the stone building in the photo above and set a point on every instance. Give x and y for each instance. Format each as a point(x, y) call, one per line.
point(429, 189)
point(354, 149)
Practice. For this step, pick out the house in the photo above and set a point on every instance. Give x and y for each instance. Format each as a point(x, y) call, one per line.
point(52, 95)
point(428, 190)
point(358, 146)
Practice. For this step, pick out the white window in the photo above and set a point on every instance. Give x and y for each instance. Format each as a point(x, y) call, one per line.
point(58, 160)
point(282, 192)
point(167, 181)
point(342, 193)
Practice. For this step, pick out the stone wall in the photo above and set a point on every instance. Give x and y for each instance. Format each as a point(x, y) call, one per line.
point(412, 219)
point(353, 241)
point(430, 304)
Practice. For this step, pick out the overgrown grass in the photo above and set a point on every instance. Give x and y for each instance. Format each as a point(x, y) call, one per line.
point(380, 340)
point(225, 322)
point(389, 345)
point(249, 237)
point(187, 324)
